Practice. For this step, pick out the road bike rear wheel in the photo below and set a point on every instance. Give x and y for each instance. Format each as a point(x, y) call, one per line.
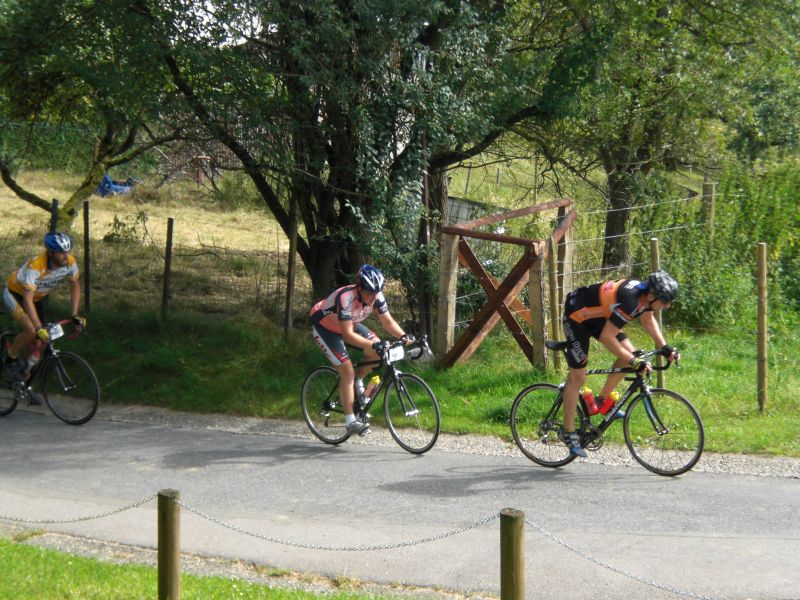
point(536, 418)
point(664, 432)
point(70, 388)
point(322, 410)
point(412, 413)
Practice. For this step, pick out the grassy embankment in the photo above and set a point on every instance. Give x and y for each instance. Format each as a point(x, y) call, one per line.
point(210, 359)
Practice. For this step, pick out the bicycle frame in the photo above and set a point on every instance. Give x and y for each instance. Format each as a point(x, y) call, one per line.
point(390, 369)
point(639, 386)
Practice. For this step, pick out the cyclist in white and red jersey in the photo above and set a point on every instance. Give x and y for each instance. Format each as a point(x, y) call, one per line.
point(336, 322)
point(601, 311)
point(27, 287)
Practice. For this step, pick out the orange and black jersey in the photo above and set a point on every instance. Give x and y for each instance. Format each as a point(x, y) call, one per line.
point(591, 306)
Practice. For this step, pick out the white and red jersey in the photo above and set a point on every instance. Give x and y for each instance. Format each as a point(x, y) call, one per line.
point(345, 304)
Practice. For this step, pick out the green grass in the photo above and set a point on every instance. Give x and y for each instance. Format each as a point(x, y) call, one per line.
point(33, 573)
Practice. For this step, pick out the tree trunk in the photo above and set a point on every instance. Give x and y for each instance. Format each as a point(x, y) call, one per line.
point(616, 248)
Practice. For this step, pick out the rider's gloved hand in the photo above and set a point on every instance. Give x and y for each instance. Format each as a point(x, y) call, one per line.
point(43, 334)
point(640, 365)
point(79, 322)
point(378, 347)
point(668, 351)
point(408, 338)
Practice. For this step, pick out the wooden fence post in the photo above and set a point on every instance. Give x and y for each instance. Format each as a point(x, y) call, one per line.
point(555, 308)
point(444, 334)
point(169, 545)
point(536, 303)
point(762, 326)
point(709, 206)
point(167, 268)
point(87, 273)
point(512, 554)
point(466, 185)
point(655, 263)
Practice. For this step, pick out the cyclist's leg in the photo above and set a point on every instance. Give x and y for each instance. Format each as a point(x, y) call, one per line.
point(13, 303)
point(613, 379)
point(334, 349)
point(577, 358)
point(370, 358)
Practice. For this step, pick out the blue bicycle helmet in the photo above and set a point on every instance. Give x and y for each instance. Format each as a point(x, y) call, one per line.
point(370, 279)
point(662, 286)
point(58, 242)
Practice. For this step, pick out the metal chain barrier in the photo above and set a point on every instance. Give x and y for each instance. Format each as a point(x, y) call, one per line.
point(613, 569)
point(338, 548)
point(78, 519)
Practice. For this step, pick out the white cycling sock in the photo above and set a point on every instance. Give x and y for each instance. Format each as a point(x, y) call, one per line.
point(349, 419)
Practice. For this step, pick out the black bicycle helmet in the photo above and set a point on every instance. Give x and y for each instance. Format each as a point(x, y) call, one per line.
point(370, 279)
point(58, 242)
point(662, 286)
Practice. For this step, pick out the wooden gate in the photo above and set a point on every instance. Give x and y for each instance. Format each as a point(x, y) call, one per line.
point(502, 301)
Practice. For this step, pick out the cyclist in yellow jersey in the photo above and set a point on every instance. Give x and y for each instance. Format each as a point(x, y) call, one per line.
point(27, 287)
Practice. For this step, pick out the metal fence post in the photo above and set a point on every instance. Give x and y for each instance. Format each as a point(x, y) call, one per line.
point(169, 545)
point(512, 555)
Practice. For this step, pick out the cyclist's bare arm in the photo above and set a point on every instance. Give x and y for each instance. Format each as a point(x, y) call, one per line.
point(390, 325)
point(608, 337)
point(74, 296)
point(354, 339)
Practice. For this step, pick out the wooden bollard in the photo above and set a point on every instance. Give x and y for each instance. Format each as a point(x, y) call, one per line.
point(169, 545)
point(512, 555)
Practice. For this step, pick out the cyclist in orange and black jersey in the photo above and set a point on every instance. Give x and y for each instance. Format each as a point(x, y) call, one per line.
point(336, 324)
point(601, 311)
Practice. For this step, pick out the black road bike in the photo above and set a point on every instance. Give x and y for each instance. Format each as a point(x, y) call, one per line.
point(662, 430)
point(410, 410)
point(64, 380)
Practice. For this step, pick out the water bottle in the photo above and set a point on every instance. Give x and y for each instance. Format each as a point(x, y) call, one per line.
point(33, 358)
point(609, 402)
point(358, 386)
point(374, 382)
point(588, 398)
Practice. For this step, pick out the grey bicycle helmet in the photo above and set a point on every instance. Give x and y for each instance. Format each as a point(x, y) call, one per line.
point(662, 286)
point(58, 242)
point(370, 279)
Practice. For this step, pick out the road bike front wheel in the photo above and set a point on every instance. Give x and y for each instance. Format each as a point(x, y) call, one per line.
point(412, 413)
point(322, 410)
point(664, 432)
point(536, 418)
point(70, 388)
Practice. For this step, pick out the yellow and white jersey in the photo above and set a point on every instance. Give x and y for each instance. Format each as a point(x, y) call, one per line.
point(36, 276)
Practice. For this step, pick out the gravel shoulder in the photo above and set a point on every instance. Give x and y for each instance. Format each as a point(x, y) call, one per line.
point(752, 465)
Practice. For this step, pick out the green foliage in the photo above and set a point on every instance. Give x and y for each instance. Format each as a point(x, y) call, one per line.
point(718, 274)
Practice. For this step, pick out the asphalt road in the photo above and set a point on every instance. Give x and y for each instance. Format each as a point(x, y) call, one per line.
point(708, 534)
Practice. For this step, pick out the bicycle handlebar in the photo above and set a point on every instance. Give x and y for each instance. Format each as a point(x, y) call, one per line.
point(75, 331)
point(421, 343)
